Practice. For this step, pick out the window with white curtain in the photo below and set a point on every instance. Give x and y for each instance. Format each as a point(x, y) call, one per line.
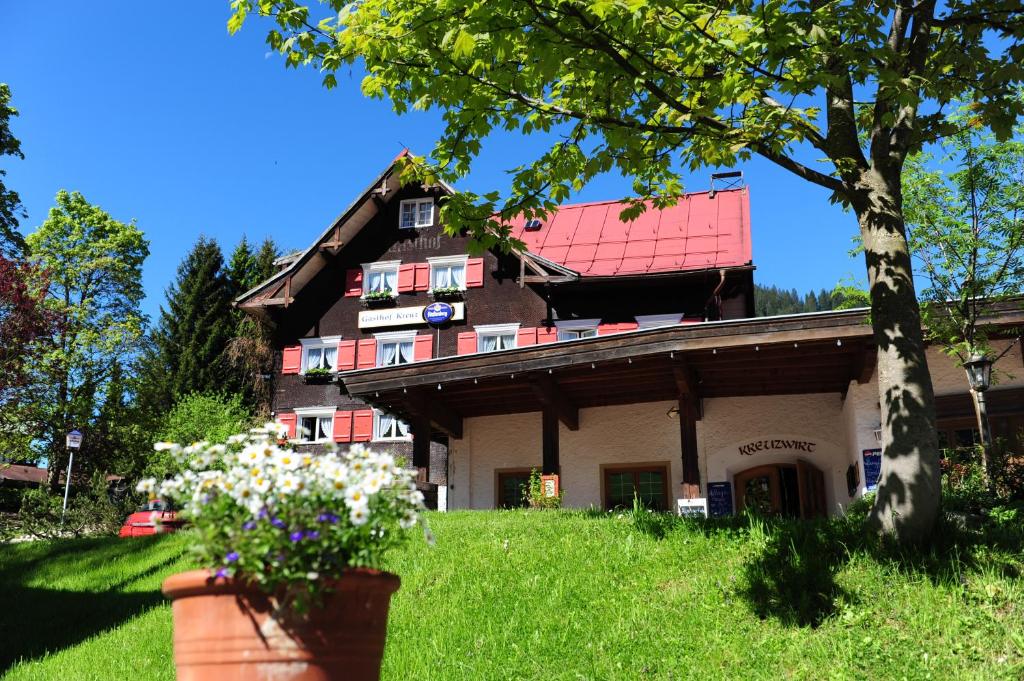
point(493, 337)
point(448, 272)
point(416, 213)
point(314, 425)
point(394, 349)
point(381, 277)
point(576, 328)
point(320, 353)
point(387, 427)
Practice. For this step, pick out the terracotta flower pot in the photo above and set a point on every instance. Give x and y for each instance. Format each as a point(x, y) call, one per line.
point(228, 630)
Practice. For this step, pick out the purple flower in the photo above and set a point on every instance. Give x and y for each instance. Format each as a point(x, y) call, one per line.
point(296, 535)
point(312, 534)
point(327, 518)
point(262, 514)
point(278, 523)
point(222, 573)
point(249, 525)
point(231, 557)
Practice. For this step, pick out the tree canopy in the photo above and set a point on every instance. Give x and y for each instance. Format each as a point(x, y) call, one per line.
point(12, 243)
point(837, 93)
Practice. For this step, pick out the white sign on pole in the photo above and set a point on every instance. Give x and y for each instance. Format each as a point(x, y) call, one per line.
point(73, 442)
point(74, 439)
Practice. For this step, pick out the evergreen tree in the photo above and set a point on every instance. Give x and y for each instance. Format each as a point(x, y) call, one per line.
point(12, 243)
point(188, 344)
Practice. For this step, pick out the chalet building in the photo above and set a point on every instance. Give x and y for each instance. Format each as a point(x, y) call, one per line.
point(623, 357)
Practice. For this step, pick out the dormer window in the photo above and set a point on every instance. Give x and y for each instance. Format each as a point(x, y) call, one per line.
point(574, 329)
point(381, 277)
point(416, 213)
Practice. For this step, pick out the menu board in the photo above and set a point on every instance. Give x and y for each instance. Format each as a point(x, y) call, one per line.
point(872, 468)
point(719, 499)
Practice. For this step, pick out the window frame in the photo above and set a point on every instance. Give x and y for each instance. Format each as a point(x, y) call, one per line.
point(448, 261)
point(662, 467)
point(319, 343)
point(496, 330)
point(416, 212)
point(395, 337)
point(317, 413)
point(382, 266)
point(499, 475)
point(565, 326)
point(377, 413)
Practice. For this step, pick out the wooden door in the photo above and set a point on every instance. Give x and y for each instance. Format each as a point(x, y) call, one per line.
point(812, 490)
point(758, 489)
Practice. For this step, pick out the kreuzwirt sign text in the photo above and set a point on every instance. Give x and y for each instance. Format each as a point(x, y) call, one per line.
point(758, 446)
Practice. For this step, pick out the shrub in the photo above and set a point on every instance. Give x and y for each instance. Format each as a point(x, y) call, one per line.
point(535, 493)
point(213, 417)
point(91, 511)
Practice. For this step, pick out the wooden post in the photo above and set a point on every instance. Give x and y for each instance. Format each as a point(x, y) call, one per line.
point(688, 444)
point(421, 447)
point(549, 441)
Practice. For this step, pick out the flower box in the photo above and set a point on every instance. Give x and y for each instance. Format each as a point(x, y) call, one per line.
point(447, 293)
point(379, 299)
point(318, 376)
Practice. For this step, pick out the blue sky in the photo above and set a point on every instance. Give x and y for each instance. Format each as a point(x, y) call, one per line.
point(162, 117)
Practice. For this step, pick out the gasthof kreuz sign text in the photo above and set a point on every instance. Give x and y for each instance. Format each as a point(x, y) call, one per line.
point(758, 446)
point(402, 316)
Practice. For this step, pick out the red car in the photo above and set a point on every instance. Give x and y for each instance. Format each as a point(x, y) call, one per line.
point(155, 517)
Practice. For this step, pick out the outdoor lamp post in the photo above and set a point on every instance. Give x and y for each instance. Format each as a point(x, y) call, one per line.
point(979, 375)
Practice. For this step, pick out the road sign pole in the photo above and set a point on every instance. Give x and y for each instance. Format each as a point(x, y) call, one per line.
point(67, 485)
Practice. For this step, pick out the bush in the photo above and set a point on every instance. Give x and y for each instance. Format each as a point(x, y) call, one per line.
point(535, 493)
point(197, 417)
point(91, 511)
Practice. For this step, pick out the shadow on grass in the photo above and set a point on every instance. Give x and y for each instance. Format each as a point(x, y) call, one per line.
point(790, 574)
point(37, 620)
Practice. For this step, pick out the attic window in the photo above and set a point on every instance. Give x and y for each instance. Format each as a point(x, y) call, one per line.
point(533, 225)
point(416, 213)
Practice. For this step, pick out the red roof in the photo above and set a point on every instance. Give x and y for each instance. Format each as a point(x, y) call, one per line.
point(700, 232)
point(19, 473)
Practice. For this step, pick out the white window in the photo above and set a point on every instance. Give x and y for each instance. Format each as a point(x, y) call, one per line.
point(574, 329)
point(494, 337)
point(381, 277)
point(448, 272)
point(652, 321)
point(320, 353)
point(395, 348)
point(387, 427)
point(416, 213)
point(314, 425)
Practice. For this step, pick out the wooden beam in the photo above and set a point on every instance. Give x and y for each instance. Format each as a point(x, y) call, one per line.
point(421, 444)
point(688, 448)
point(554, 398)
point(549, 442)
point(546, 279)
point(687, 385)
point(863, 367)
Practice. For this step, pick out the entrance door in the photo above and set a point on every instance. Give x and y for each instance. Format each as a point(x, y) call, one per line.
point(789, 490)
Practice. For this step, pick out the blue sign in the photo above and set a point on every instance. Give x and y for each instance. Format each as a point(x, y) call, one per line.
point(872, 468)
point(438, 313)
point(719, 499)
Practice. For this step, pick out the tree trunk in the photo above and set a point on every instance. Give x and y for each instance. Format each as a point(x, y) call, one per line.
point(909, 492)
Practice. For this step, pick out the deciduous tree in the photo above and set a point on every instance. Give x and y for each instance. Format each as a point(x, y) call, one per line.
point(838, 93)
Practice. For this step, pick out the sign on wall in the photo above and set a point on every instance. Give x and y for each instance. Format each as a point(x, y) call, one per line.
point(403, 316)
point(757, 446)
point(438, 313)
point(549, 485)
point(872, 468)
point(719, 499)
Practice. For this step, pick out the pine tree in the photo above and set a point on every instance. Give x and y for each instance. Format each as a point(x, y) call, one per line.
point(188, 343)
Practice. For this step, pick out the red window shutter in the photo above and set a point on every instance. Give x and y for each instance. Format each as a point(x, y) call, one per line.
point(421, 279)
point(342, 426)
point(527, 336)
point(605, 329)
point(474, 272)
point(691, 320)
point(423, 347)
point(291, 359)
point(288, 420)
point(354, 282)
point(346, 355)
point(362, 425)
point(545, 335)
point(367, 356)
point(466, 343)
point(629, 326)
point(406, 278)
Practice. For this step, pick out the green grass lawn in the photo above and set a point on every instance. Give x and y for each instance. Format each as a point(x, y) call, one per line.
point(563, 595)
